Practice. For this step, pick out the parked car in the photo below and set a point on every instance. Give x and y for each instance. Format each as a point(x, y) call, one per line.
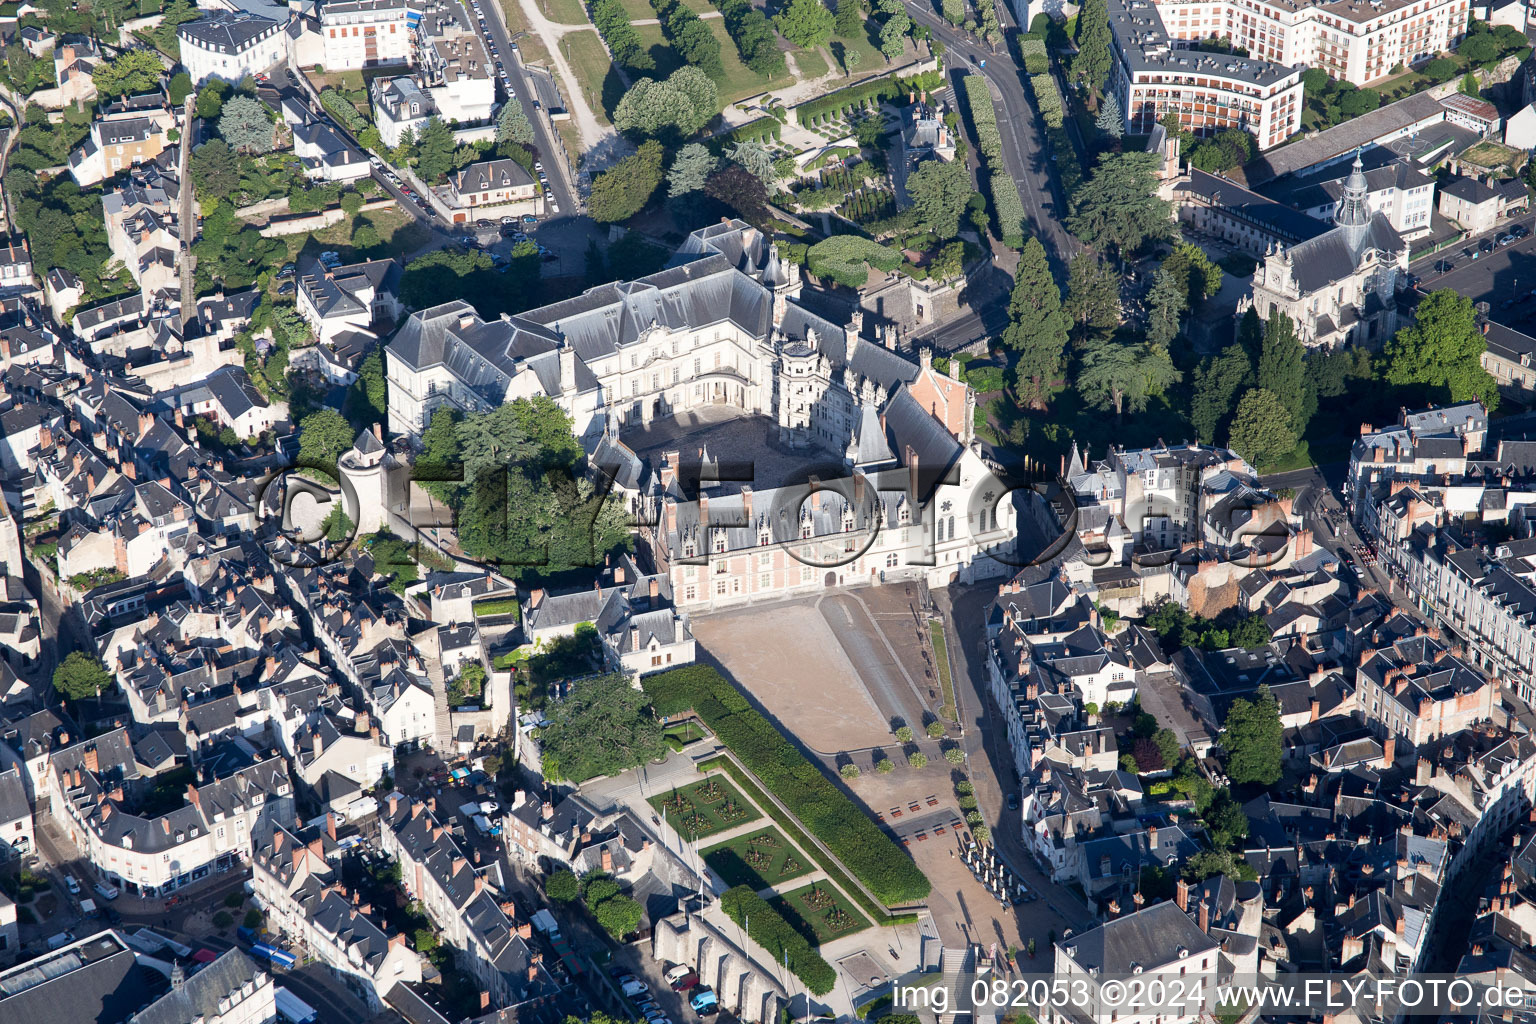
point(633, 987)
point(287, 288)
point(72, 885)
point(286, 270)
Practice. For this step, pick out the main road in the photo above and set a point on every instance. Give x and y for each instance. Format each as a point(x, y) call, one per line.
point(494, 30)
point(1025, 154)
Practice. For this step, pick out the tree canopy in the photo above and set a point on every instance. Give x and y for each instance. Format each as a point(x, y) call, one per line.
point(1442, 349)
point(512, 123)
point(1261, 428)
point(1119, 206)
point(324, 436)
point(601, 728)
point(523, 502)
point(135, 71)
point(939, 190)
point(1251, 737)
point(1116, 375)
point(806, 23)
point(1037, 327)
point(1093, 60)
point(676, 107)
point(623, 190)
point(1093, 298)
point(79, 676)
point(246, 124)
point(691, 168)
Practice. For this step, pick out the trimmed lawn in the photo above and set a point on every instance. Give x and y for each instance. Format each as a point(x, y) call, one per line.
point(564, 12)
point(701, 809)
point(589, 60)
point(820, 913)
point(529, 46)
point(497, 606)
point(680, 735)
point(941, 659)
point(811, 63)
point(761, 859)
point(655, 42)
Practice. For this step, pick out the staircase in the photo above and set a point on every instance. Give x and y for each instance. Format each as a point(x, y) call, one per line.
point(958, 967)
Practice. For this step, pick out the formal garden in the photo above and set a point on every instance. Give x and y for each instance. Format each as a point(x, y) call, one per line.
point(820, 913)
point(704, 808)
point(762, 859)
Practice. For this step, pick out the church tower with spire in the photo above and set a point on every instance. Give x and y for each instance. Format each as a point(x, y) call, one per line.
point(1352, 214)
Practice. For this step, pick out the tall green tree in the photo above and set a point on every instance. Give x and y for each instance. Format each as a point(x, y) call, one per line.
point(1111, 120)
point(1251, 737)
point(623, 190)
point(1218, 381)
point(849, 22)
point(939, 190)
point(246, 124)
point(512, 123)
point(1115, 375)
point(1119, 206)
point(434, 150)
point(805, 23)
point(1093, 60)
point(1037, 327)
point(601, 728)
point(893, 35)
point(1093, 298)
point(80, 676)
point(690, 169)
point(324, 436)
point(1282, 360)
point(1165, 305)
point(1261, 428)
point(1442, 349)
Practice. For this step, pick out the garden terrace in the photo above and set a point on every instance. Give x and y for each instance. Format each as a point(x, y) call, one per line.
point(762, 859)
point(704, 808)
point(827, 812)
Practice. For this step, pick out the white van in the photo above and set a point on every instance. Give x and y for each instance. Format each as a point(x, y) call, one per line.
point(106, 890)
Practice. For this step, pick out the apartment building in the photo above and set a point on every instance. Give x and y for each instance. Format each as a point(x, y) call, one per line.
point(100, 789)
point(1355, 41)
point(1417, 691)
point(1161, 496)
point(1154, 75)
point(454, 894)
point(1158, 943)
point(229, 45)
point(304, 899)
point(367, 33)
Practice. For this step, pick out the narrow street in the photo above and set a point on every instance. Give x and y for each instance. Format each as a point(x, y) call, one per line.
point(989, 756)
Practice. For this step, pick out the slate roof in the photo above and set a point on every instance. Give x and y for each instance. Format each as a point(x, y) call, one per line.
point(1147, 939)
point(199, 996)
point(1319, 262)
point(490, 175)
point(233, 32)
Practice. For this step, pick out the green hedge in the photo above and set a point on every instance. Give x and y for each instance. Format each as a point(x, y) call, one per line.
point(759, 129)
point(1047, 99)
point(1035, 59)
point(826, 811)
point(769, 930)
point(978, 103)
point(1009, 206)
point(879, 90)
